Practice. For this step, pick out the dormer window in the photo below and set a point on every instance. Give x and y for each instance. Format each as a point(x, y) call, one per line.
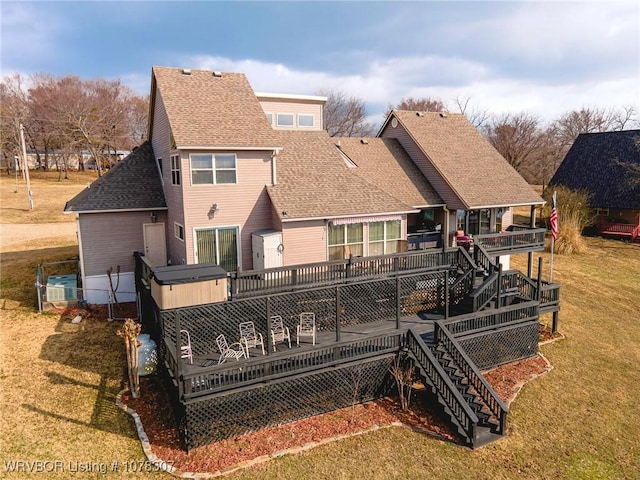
point(285, 120)
point(305, 120)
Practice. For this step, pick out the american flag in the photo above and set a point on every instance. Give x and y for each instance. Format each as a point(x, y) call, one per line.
point(554, 218)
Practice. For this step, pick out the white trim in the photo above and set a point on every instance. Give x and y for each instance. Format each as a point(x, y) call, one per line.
point(179, 169)
point(293, 120)
point(217, 148)
point(176, 224)
point(217, 227)
point(213, 169)
point(289, 96)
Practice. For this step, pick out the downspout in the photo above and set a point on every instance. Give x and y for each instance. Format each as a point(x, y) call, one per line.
point(445, 235)
point(81, 255)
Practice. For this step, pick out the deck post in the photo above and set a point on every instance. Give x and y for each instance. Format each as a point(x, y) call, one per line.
point(337, 314)
point(499, 289)
point(446, 294)
point(539, 279)
point(178, 357)
point(554, 322)
point(532, 224)
point(268, 325)
point(398, 309)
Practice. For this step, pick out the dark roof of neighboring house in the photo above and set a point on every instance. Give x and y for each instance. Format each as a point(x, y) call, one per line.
point(209, 110)
point(384, 163)
point(607, 166)
point(313, 181)
point(473, 169)
point(131, 184)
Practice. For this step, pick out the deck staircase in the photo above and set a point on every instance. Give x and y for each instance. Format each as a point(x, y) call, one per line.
point(473, 407)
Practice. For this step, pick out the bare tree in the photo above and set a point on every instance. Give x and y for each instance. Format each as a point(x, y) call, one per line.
point(345, 116)
point(517, 137)
point(13, 112)
point(424, 104)
point(476, 116)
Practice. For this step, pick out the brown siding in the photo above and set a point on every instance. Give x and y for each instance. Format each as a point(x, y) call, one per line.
point(427, 168)
point(161, 143)
point(304, 242)
point(275, 106)
point(109, 240)
point(245, 205)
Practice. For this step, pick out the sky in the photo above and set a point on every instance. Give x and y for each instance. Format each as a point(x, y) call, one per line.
point(544, 58)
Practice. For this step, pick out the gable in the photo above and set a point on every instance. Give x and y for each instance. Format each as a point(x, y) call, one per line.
point(472, 169)
point(607, 166)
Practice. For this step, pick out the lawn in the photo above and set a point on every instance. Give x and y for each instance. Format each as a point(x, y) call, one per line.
point(58, 382)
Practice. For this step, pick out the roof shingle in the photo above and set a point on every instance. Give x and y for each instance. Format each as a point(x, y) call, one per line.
point(476, 172)
point(132, 184)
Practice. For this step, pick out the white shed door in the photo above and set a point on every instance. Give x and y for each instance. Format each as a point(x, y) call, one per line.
point(155, 245)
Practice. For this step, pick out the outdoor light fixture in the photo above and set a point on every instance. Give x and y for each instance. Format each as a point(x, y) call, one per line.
point(154, 217)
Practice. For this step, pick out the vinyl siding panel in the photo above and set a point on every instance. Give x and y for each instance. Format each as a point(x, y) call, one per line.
point(295, 107)
point(109, 240)
point(245, 204)
point(426, 167)
point(304, 242)
point(161, 143)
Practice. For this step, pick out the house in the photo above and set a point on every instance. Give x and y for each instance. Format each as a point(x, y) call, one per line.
point(240, 211)
point(225, 166)
point(606, 166)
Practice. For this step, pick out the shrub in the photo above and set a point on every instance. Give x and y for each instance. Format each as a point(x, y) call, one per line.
point(574, 215)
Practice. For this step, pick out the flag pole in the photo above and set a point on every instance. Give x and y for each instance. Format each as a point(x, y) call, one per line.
point(551, 261)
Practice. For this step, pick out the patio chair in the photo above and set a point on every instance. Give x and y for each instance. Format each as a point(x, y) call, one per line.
point(227, 351)
point(279, 332)
point(307, 327)
point(249, 337)
point(185, 346)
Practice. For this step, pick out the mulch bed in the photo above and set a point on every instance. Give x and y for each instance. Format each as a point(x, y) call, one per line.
point(424, 415)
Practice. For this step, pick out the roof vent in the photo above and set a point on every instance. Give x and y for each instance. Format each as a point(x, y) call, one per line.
point(364, 141)
point(420, 114)
point(186, 71)
point(217, 74)
point(443, 114)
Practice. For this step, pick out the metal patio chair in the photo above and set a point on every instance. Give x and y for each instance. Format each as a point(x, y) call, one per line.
point(307, 327)
point(250, 338)
point(279, 332)
point(185, 346)
point(227, 351)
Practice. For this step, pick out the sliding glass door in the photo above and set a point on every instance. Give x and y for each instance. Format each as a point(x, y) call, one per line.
point(219, 246)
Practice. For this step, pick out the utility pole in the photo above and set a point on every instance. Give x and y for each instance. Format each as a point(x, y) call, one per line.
point(25, 168)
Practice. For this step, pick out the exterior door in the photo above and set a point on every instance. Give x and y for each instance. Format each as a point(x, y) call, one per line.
point(155, 245)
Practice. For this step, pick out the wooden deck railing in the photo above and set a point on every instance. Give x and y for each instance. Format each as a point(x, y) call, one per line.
point(518, 239)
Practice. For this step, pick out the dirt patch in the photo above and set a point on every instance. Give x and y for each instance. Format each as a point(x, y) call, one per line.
point(424, 415)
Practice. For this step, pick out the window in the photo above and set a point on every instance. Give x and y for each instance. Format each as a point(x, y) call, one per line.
point(285, 119)
point(179, 231)
point(460, 220)
point(384, 237)
point(345, 240)
point(175, 169)
point(305, 120)
point(270, 118)
point(485, 221)
point(602, 211)
point(219, 246)
point(213, 169)
point(499, 214)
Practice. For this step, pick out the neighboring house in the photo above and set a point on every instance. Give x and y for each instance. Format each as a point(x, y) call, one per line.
point(225, 166)
point(607, 167)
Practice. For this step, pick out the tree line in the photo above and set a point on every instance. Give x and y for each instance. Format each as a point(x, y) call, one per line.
point(66, 116)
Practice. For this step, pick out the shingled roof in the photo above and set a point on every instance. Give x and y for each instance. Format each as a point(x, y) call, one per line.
point(132, 184)
point(607, 166)
point(473, 169)
point(313, 181)
point(384, 163)
point(207, 109)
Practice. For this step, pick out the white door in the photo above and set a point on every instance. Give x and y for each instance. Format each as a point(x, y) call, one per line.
point(155, 245)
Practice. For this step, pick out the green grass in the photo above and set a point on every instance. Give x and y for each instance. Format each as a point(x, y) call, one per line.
point(580, 421)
